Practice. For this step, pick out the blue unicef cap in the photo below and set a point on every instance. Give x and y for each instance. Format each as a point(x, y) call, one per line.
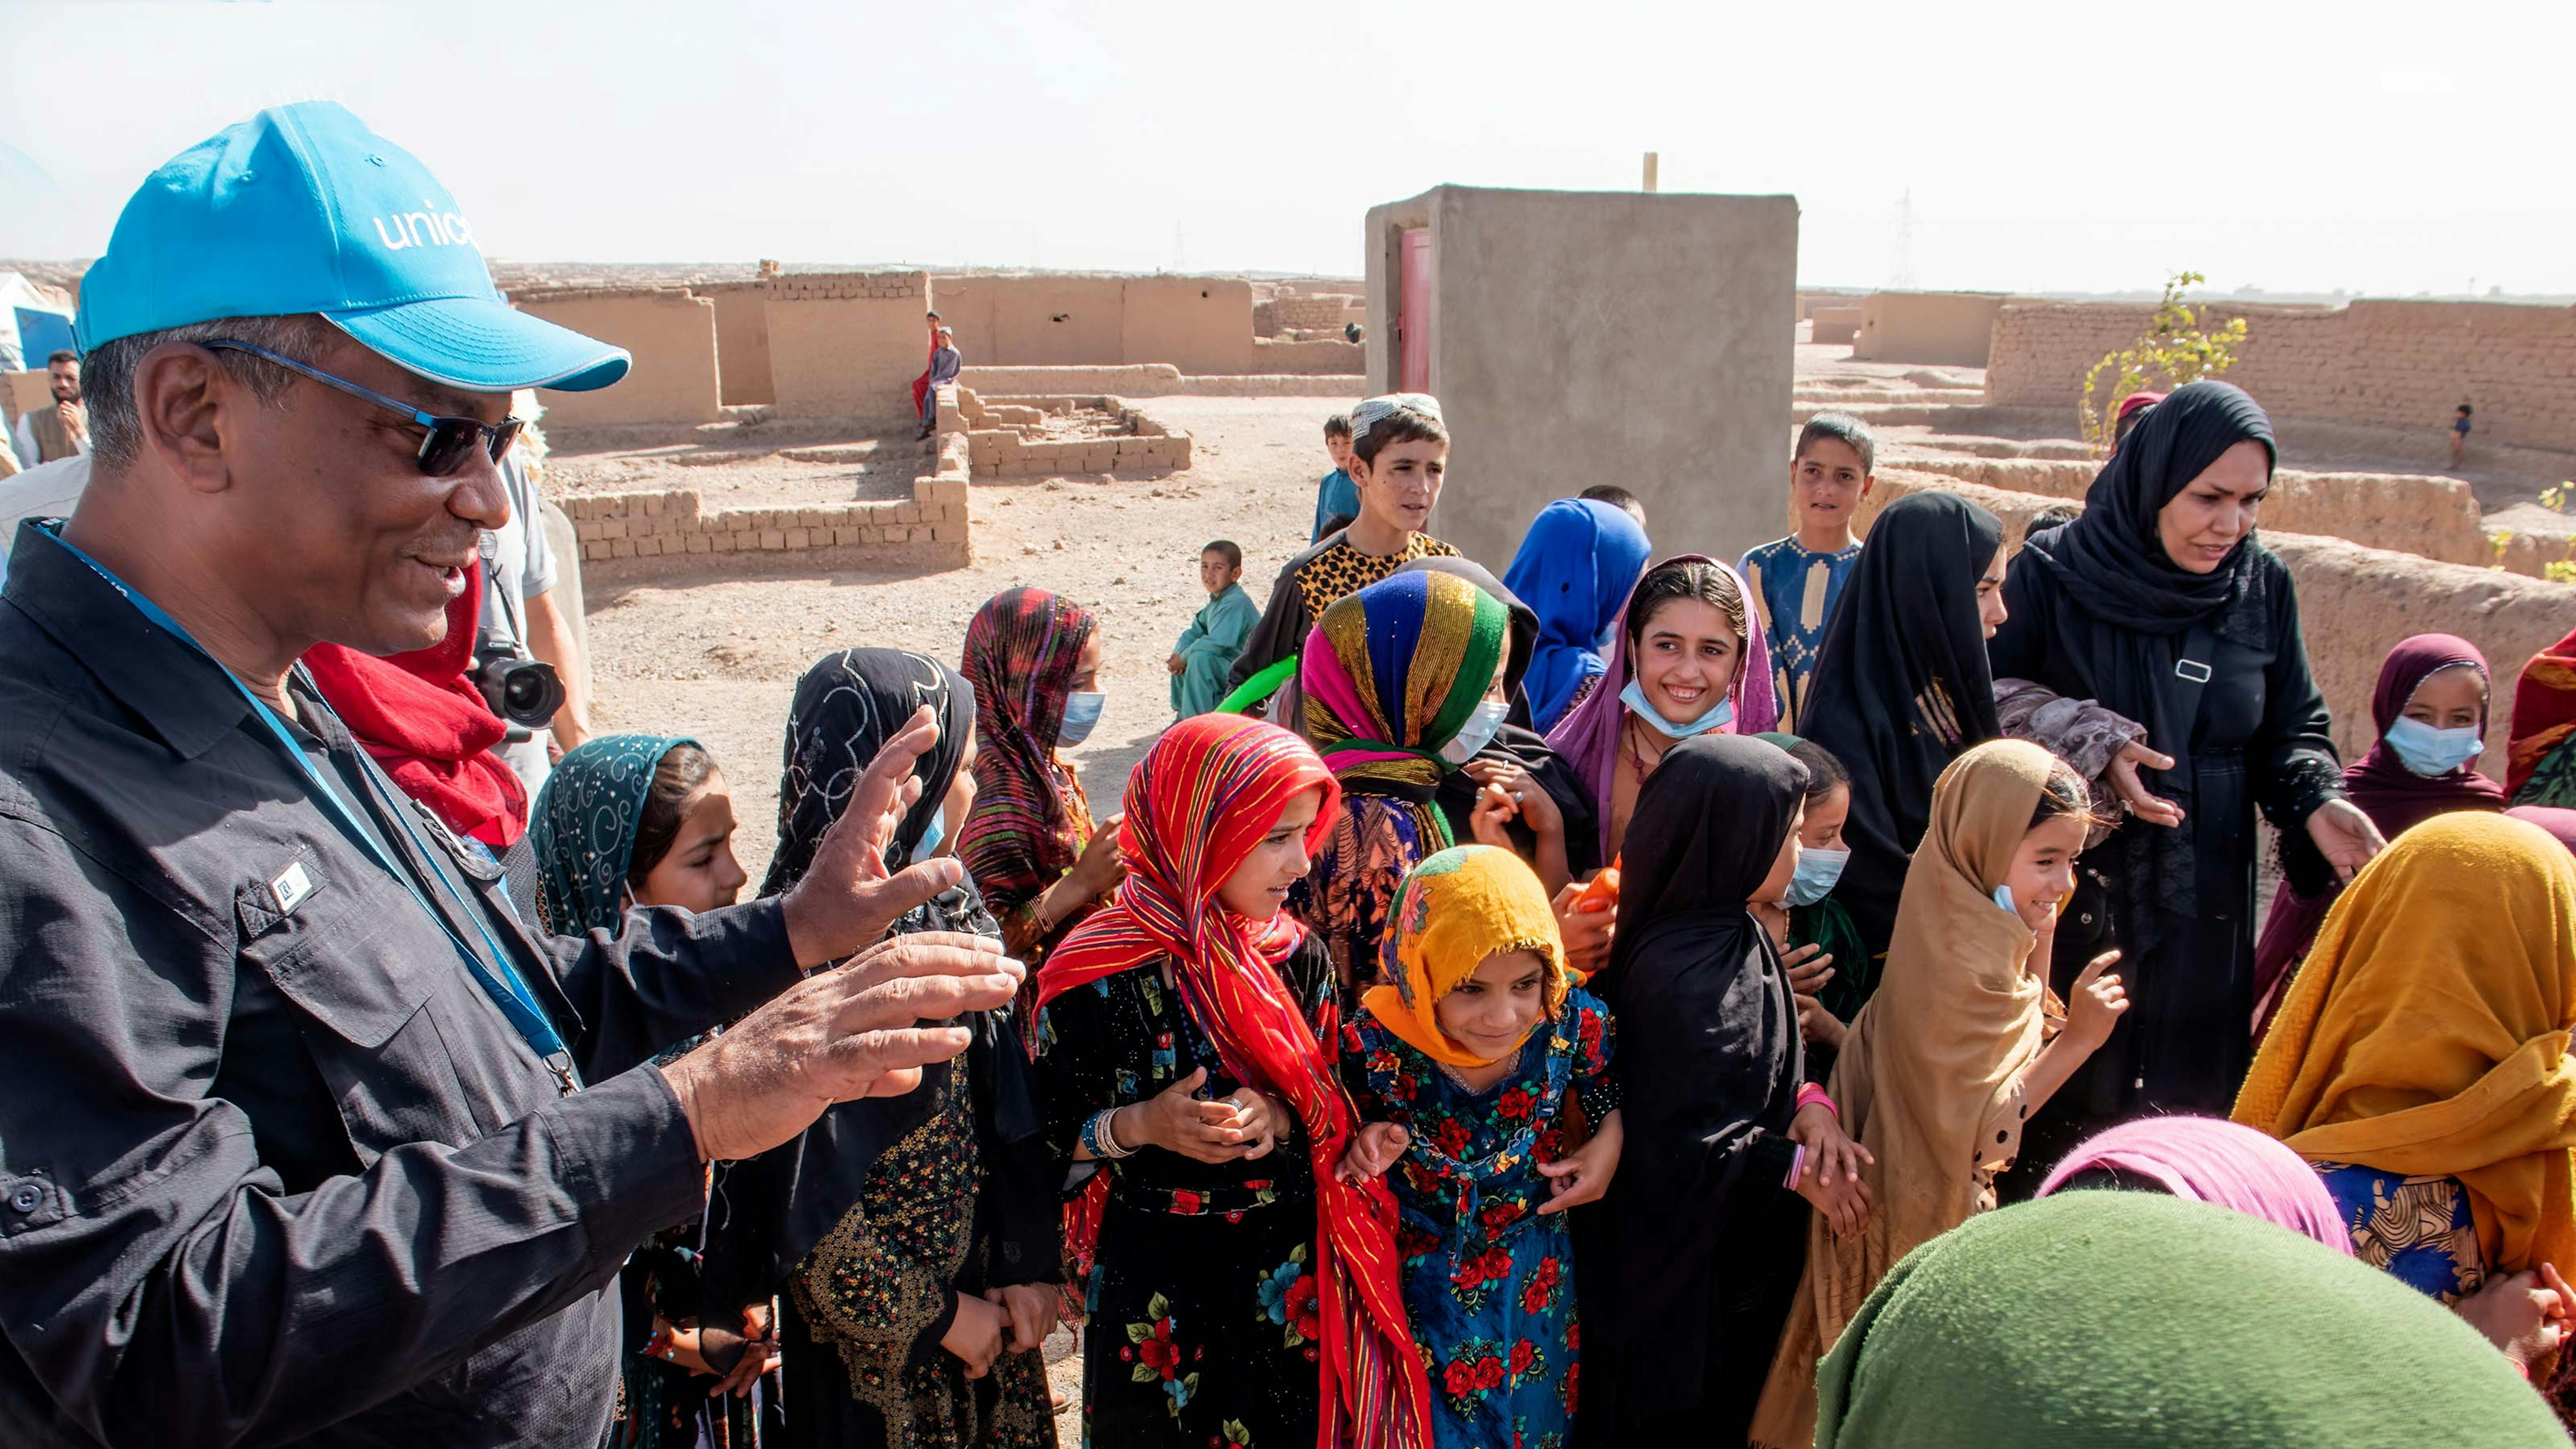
point(302, 209)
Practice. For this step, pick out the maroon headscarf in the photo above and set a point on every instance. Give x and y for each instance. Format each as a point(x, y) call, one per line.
point(2393, 796)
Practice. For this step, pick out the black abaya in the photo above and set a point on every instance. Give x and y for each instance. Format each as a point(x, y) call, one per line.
point(1693, 1259)
point(2097, 612)
point(1902, 687)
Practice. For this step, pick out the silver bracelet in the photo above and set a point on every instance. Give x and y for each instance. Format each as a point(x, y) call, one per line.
point(1104, 1137)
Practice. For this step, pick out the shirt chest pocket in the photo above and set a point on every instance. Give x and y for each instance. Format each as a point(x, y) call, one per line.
point(374, 984)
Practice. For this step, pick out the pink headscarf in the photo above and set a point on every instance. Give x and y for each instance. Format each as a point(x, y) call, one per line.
point(1588, 736)
point(2217, 1162)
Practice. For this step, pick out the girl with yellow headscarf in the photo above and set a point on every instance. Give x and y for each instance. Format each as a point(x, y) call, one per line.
point(1460, 1066)
point(2420, 1061)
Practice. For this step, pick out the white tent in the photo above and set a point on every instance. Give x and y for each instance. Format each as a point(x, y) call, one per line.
point(34, 322)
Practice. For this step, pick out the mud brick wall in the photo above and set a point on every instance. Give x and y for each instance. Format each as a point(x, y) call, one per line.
point(2393, 363)
point(672, 336)
point(847, 344)
point(933, 526)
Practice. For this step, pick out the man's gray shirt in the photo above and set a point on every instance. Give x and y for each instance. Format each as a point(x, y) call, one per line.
point(273, 1166)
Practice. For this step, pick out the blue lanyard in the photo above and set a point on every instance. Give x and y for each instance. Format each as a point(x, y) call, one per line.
point(496, 977)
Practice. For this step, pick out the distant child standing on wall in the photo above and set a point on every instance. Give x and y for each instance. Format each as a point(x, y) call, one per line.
point(1206, 650)
point(1336, 497)
point(2459, 433)
point(1795, 580)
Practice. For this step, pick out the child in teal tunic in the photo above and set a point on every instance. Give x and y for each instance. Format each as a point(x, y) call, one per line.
point(1206, 650)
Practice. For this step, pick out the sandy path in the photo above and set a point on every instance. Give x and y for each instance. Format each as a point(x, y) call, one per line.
point(718, 658)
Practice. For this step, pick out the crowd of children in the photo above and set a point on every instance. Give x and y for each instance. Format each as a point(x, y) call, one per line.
point(1536, 1043)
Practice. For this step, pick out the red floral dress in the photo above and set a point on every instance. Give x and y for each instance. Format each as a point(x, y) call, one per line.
point(1488, 1282)
point(1200, 1312)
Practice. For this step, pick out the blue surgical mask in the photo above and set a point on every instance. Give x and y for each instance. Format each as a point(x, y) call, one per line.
point(928, 845)
point(1634, 696)
point(1818, 869)
point(2003, 898)
point(2430, 752)
point(1476, 733)
point(1081, 714)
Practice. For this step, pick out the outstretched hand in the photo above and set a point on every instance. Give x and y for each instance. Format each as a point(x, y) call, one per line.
point(847, 899)
point(2345, 836)
point(853, 1031)
point(2142, 802)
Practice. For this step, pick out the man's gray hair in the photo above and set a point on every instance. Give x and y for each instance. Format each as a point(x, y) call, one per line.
point(107, 372)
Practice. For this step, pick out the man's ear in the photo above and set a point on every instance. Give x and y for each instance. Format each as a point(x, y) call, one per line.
point(188, 409)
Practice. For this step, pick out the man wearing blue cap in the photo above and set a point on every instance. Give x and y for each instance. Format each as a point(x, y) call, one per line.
point(304, 1136)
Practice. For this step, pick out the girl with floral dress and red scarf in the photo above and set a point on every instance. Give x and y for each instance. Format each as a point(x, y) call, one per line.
point(1238, 1292)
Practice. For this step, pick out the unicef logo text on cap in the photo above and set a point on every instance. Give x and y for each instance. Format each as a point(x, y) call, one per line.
point(302, 209)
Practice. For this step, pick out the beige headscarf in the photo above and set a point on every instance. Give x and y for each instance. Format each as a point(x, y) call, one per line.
point(1931, 1079)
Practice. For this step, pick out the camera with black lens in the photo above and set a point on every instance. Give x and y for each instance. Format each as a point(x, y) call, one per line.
point(522, 690)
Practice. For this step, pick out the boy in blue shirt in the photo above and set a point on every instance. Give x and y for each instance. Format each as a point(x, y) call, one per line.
point(1336, 497)
point(1795, 580)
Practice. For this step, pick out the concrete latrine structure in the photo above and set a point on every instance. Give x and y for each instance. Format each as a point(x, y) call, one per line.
point(1576, 338)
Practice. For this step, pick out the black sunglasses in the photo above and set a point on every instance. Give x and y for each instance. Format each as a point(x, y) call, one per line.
point(450, 440)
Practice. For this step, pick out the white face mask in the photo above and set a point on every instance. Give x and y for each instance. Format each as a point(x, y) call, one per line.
point(1634, 696)
point(1476, 733)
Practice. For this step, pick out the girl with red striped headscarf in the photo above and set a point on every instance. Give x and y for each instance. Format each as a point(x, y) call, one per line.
point(1236, 1292)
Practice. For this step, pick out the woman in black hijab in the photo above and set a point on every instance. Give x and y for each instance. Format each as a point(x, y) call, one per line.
point(1901, 686)
point(1693, 1258)
point(2159, 603)
point(1517, 757)
point(890, 1225)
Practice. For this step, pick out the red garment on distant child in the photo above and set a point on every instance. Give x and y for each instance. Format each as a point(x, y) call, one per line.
point(430, 729)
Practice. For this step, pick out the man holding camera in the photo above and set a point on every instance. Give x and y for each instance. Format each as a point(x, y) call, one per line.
point(304, 1137)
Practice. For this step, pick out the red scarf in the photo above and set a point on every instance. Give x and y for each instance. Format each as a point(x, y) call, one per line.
point(429, 728)
point(1197, 805)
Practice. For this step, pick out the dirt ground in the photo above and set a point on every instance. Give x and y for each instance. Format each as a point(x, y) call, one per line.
point(718, 658)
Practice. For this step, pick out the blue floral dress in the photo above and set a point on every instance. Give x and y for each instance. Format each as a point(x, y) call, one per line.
point(2415, 1228)
point(1488, 1283)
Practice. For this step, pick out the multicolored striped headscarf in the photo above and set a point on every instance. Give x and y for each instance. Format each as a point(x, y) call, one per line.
point(1197, 805)
point(584, 829)
point(1030, 820)
point(1392, 673)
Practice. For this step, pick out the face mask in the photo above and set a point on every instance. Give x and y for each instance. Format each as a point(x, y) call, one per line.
point(1634, 696)
point(2430, 752)
point(928, 845)
point(1818, 869)
point(2003, 898)
point(1081, 713)
point(1476, 733)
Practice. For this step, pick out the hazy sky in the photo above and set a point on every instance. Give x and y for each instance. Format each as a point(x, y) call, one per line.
point(2045, 146)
